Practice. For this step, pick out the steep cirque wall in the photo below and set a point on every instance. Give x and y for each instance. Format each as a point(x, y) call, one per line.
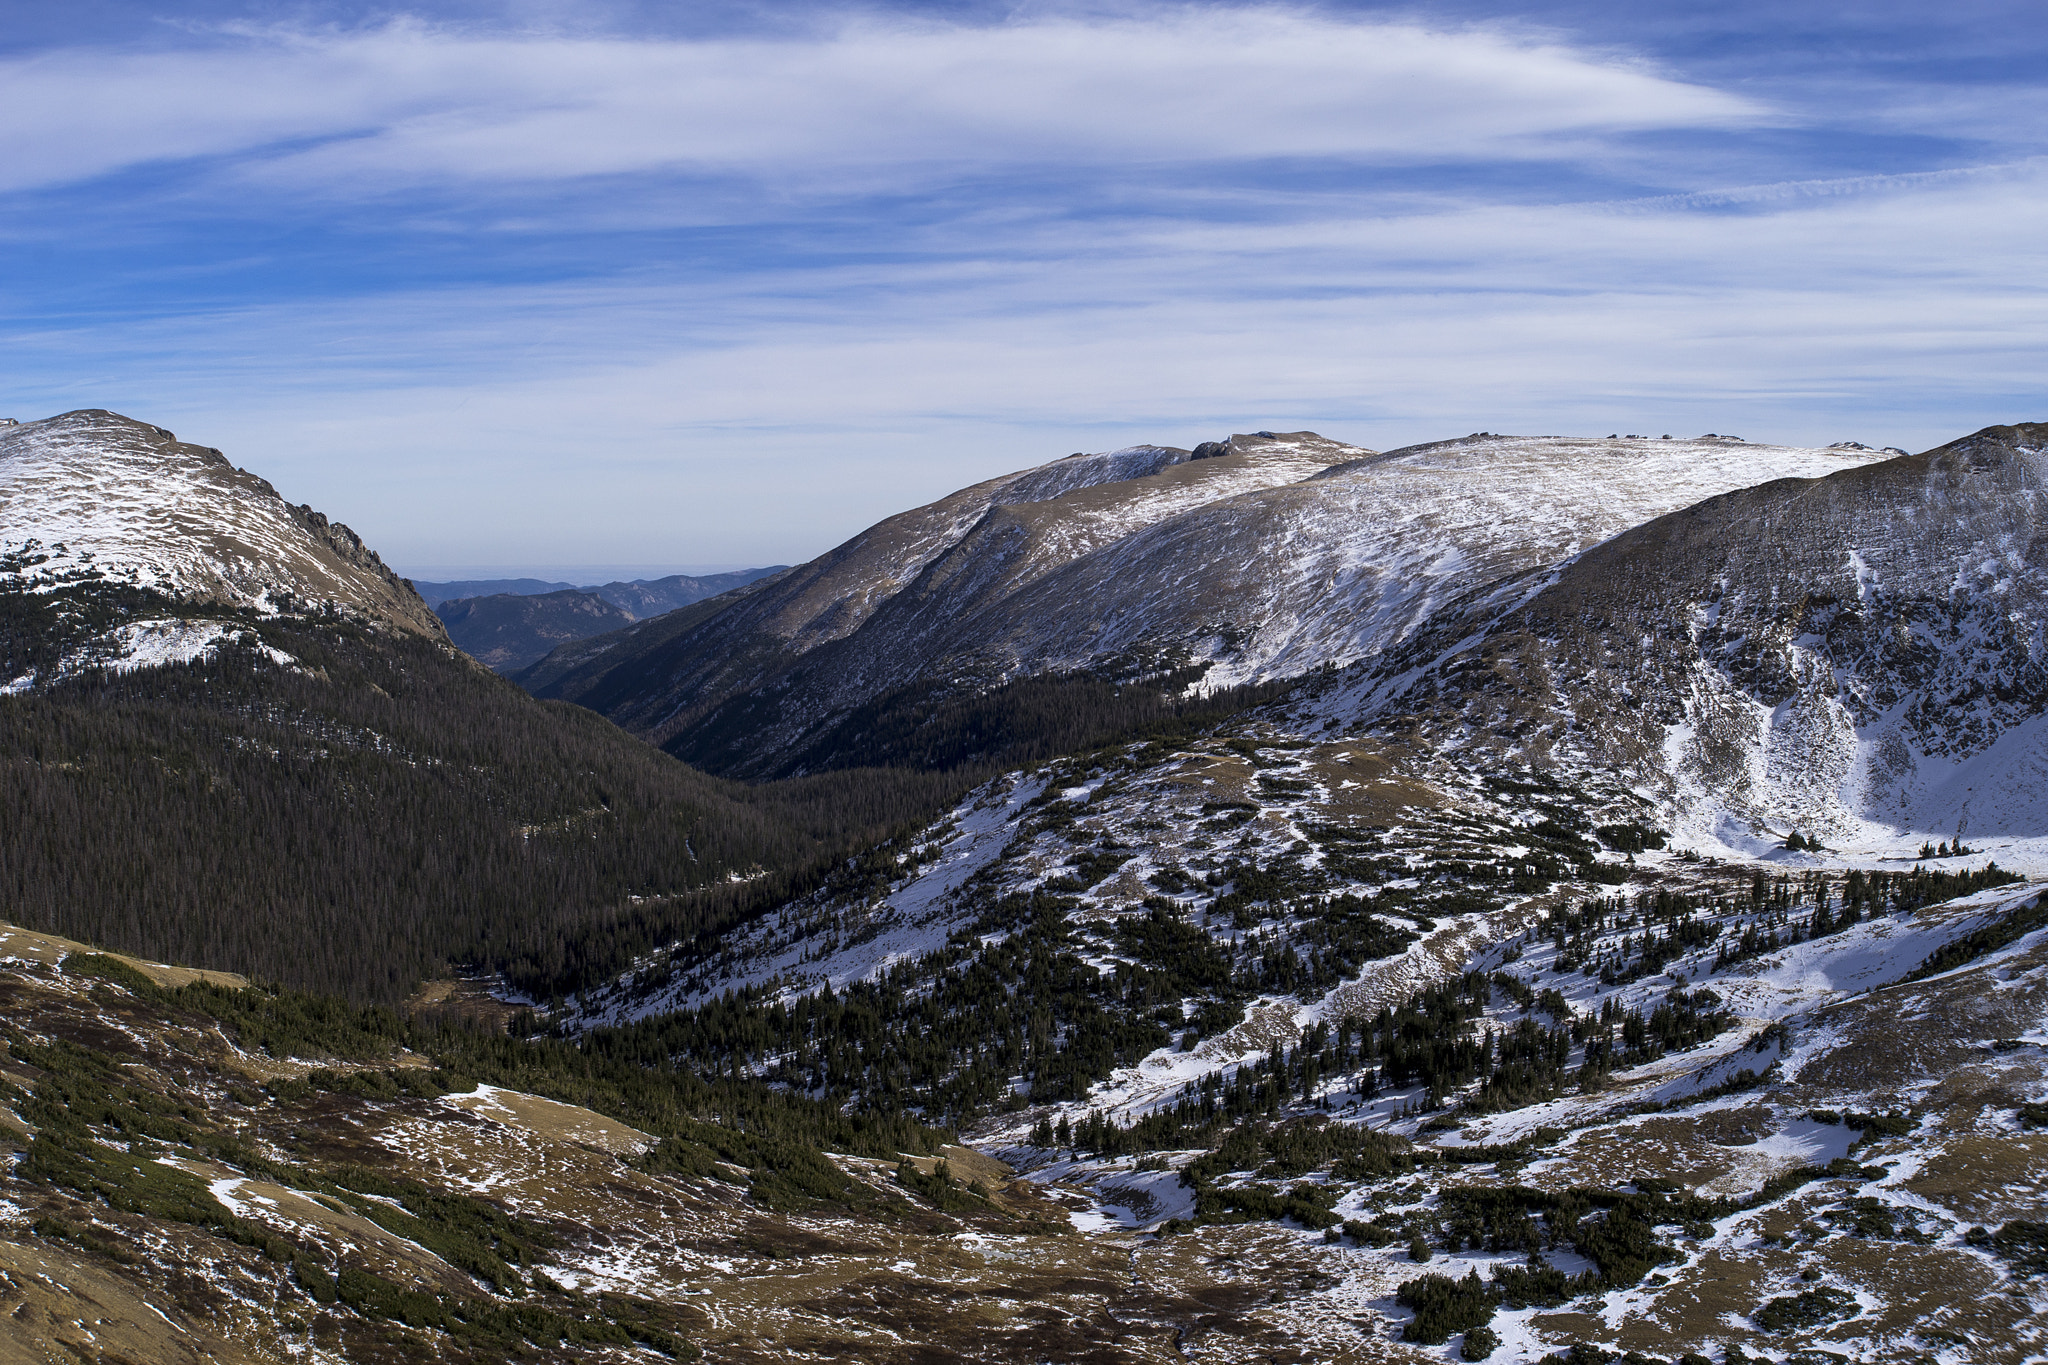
point(98, 491)
point(1859, 657)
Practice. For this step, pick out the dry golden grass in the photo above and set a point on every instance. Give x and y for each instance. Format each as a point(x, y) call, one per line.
point(59, 1307)
point(50, 950)
point(1987, 1178)
point(1381, 790)
point(550, 1121)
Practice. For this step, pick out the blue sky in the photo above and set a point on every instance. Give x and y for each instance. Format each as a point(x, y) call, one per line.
point(540, 285)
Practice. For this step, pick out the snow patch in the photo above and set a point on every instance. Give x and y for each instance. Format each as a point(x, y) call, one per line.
point(153, 643)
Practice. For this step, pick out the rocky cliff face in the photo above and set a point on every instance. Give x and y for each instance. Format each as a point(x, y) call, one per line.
point(1858, 657)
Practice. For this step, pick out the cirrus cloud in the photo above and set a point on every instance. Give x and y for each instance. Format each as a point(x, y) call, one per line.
point(573, 295)
point(409, 103)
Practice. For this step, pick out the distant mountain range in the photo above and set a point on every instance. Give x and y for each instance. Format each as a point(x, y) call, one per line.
point(508, 631)
point(643, 597)
point(508, 624)
point(434, 594)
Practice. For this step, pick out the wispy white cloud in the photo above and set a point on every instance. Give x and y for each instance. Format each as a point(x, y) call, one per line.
point(969, 248)
point(409, 103)
point(768, 415)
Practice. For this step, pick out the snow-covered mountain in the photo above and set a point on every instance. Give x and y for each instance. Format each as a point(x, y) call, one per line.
point(1347, 563)
point(95, 500)
point(1861, 658)
point(928, 568)
point(1266, 556)
point(1450, 994)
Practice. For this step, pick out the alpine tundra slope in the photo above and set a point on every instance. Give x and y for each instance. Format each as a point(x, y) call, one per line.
point(1631, 948)
point(1322, 1006)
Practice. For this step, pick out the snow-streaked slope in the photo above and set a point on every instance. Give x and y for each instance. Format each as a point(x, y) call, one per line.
point(95, 493)
point(1081, 470)
point(950, 621)
point(1349, 563)
point(149, 644)
point(1786, 1004)
point(1277, 556)
point(783, 951)
point(1862, 657)
point(925, 565)
point(1098, 497)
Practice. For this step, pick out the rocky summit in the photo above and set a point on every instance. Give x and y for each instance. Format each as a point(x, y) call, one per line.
point(1527, 899)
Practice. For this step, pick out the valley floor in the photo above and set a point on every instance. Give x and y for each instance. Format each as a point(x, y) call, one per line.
point(1834, 1140)
point(1467, 1081)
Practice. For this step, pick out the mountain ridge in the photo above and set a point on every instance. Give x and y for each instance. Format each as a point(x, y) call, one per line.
point(1274, 555)
point(820, 603)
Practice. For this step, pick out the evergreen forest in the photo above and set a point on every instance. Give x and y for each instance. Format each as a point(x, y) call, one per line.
point(376, 811)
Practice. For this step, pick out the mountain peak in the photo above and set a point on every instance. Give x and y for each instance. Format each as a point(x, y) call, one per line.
point(98, 495)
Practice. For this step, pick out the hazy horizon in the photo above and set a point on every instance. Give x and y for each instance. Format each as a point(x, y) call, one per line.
point(576, 575)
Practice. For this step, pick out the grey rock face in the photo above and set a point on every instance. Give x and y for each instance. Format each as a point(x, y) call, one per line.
point(1837, 655)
